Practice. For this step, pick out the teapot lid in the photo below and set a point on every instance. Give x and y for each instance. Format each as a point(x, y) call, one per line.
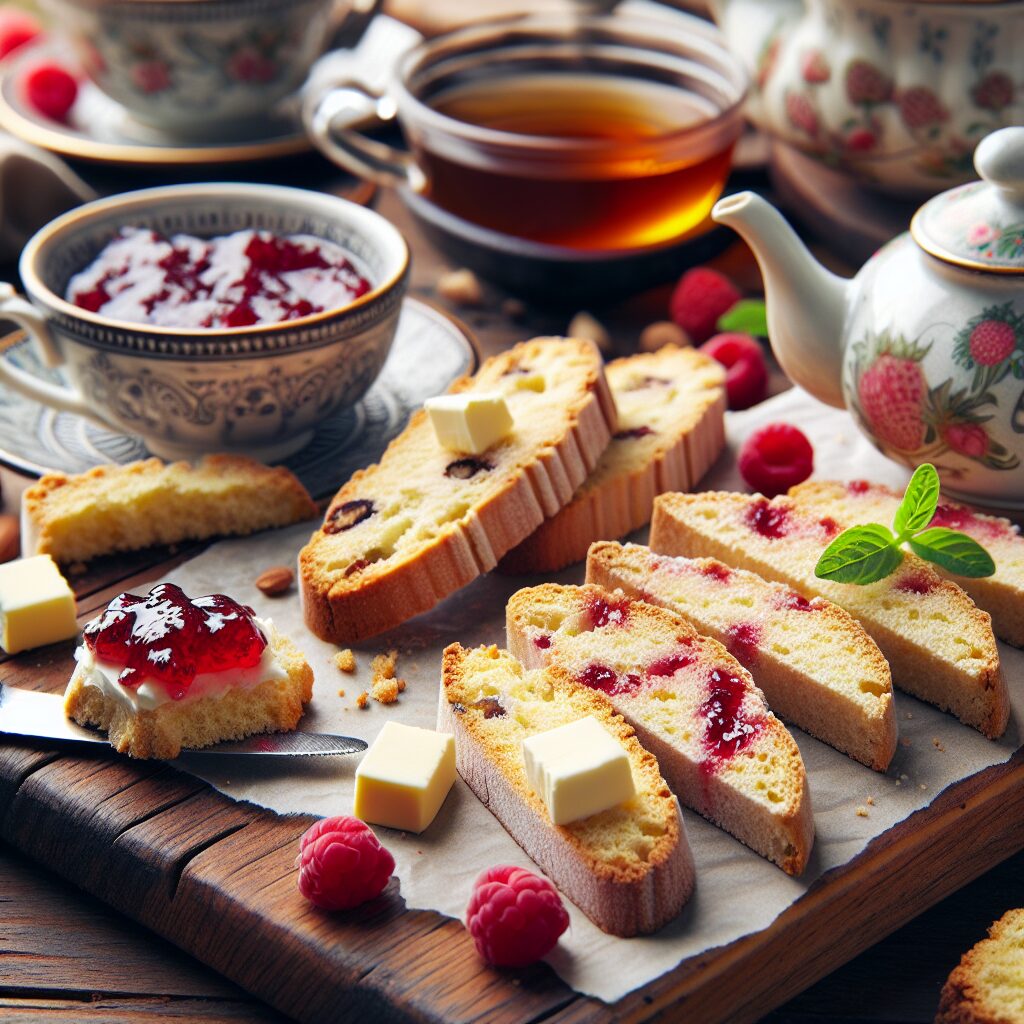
point(980, 225)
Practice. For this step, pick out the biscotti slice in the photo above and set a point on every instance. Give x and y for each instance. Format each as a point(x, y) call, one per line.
point(1001, 595)
point(671, 407)
point(817, 667)
point(125, 508)
point(691, 703)
point(267, 698)
point(629, 868)
point(425, 521)
point(939, 645)
point(987, 986)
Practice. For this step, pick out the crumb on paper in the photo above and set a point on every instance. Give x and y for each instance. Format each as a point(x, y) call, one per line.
point(345, 660)
point(910, 714)
point(923, 785)
point(461, 287)
point(862, 812)
point(870, 801)
point(363, 700)
point(383, 665)
point(386, 691)
point(907, 741)
point(937, 743)
point(341, 692)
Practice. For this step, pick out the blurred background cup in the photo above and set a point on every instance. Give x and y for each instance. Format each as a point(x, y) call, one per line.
point(203, 68)
point(587, 132)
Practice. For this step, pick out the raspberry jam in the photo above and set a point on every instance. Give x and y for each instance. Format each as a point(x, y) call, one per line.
point(635, 432)
point(607, 680)
point(542, 641)
point(170, 638)
point(792, 601)
point(966, 521)
point(915, 582)
point(670, 664)
point(743, 640)
point(602, 612)
point(237, 280)
point(770, 521)
point(729, 728)
point(716, 571)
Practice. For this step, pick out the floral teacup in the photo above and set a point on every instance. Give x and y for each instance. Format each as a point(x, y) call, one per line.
point(203, 66)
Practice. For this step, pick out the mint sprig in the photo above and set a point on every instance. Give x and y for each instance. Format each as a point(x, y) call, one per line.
point(866, 554)
point(748, 316)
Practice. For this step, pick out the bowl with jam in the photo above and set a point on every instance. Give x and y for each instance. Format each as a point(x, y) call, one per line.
point(214, 317)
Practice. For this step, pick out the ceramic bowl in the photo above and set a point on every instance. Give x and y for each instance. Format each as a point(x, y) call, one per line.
point(258, 390)
point(196, 67)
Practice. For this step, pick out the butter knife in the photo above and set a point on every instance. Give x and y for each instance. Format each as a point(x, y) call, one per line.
point(41, 716)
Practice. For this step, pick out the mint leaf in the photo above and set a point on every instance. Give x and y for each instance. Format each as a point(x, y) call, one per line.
point(953, 551)
point(747, 316)
point(919, 502)
point(862, 554)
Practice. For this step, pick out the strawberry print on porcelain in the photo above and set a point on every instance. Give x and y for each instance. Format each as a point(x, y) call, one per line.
point(925, 346)
point(897, 93)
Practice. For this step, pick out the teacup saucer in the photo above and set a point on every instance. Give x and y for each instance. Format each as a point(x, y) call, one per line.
point(430, 350)
point(100, 130)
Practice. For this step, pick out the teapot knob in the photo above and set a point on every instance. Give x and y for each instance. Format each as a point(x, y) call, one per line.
point(999, 159)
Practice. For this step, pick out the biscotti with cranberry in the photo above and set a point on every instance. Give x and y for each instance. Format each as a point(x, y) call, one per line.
point(267, 698)
point(671, 411)
point(628, 868)
point(125, 508)
point(815, 664)
point(987, 986)
point(693, 706)
point(939, 644)
point(1001, 595)
point(425, 521)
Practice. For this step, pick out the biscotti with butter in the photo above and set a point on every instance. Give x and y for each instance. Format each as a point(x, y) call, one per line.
point(987, 986)
point(1001, 595)
point(671, 412)
point(272, 701)
point(815, 664)
point(628, 868)
point(125, 508)
point(938, 643)
point(425, 521)
point(693, 706)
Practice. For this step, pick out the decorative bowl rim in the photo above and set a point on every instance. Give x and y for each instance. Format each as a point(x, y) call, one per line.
point(371, 221)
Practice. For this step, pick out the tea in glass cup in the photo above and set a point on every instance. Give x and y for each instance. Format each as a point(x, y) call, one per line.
point(590, 133)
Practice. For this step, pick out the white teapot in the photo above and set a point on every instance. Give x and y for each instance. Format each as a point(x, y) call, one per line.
point(925, 346)
point(895, 92)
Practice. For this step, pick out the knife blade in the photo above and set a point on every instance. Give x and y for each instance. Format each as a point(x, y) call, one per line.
point(41, 716)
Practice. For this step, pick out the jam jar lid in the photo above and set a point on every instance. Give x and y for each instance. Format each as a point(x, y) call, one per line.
point(980, 225)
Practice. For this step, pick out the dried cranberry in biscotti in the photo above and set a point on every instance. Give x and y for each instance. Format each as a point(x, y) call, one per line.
point(514, 916)
point(344, 517)
point(342, 864)
point(746, 374)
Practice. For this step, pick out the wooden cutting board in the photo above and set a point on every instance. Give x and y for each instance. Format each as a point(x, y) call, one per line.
point(217, 878)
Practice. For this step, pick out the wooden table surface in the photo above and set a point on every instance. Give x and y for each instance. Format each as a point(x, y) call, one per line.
point(65, 956)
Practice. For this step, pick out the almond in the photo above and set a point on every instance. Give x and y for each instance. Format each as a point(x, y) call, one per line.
point(10, 538)
point(276, 581)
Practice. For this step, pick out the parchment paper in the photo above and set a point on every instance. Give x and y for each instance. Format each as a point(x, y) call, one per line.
point(737, 892)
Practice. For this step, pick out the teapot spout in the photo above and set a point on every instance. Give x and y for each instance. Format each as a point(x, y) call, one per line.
point(806, 303)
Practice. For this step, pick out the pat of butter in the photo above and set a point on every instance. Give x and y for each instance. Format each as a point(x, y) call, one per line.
point(578, 770)
point(37, 606)
point(404, 777)
point(470, 422)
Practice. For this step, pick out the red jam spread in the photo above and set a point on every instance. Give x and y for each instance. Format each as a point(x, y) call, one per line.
point(236, 280)
point(964, 520)
point(744, 640)
point(770, 521)
point(729, 728)
point(607, 680)
point(793, 601)
point(171, 638)
point(915, 582)
point(601, 612)
point(716, 571)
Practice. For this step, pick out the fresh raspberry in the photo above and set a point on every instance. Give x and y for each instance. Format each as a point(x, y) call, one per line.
point(699, 299)
point(342, 864)
point(16, 28)
point(50, 89)
point(746, 375)
point(514, 916)
point(775, 458)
